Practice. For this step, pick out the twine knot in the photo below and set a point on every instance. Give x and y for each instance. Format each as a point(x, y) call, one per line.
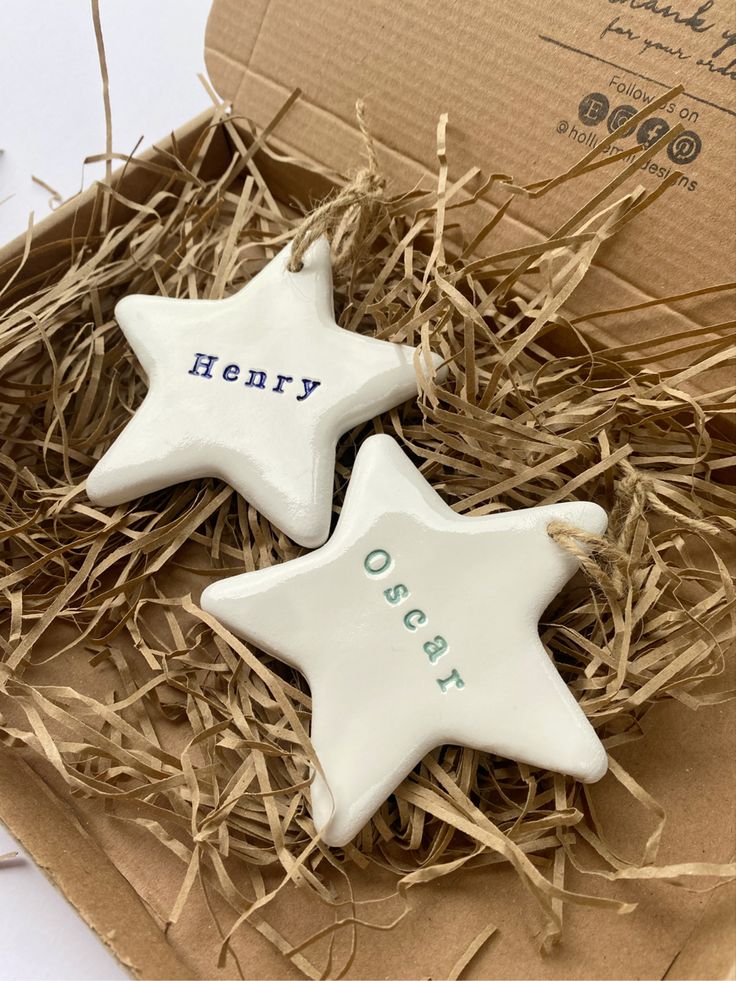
point(600, 558)
point(342, 217)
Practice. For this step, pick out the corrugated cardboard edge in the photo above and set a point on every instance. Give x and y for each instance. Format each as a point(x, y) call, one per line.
point(74, 216)
point(74, 863)
point(705, 955)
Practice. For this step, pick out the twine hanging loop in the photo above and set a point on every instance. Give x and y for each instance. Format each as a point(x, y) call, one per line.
point(342, 217)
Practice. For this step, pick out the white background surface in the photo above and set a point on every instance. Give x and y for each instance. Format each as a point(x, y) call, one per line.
point(51, 117)
point(41, 935)
point(51, 114)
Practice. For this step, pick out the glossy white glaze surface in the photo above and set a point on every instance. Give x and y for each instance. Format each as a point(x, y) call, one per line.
point(255, 389)
point(416, 626)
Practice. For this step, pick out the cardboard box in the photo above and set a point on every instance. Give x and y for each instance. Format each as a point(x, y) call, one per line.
point(509, 73)
point(529, 88)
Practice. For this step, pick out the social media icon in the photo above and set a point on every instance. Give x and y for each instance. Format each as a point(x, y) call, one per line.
point(651, 130)
point(685, 147)
point(593, 109)
point(618, 119)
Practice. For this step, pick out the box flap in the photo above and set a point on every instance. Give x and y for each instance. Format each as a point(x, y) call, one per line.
point(529, 88)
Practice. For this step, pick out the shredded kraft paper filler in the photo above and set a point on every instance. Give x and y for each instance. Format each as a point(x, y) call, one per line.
point(166, 730)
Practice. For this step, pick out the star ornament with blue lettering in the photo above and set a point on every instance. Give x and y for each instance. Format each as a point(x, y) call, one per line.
point(255, 389)
point(415, 627)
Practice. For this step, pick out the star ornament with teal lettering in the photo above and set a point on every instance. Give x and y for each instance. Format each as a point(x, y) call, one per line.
point(255, 389)
point(415, 627)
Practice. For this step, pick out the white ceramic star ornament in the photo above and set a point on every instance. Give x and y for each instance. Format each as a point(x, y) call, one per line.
point(416, 626)
point(255, 389)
